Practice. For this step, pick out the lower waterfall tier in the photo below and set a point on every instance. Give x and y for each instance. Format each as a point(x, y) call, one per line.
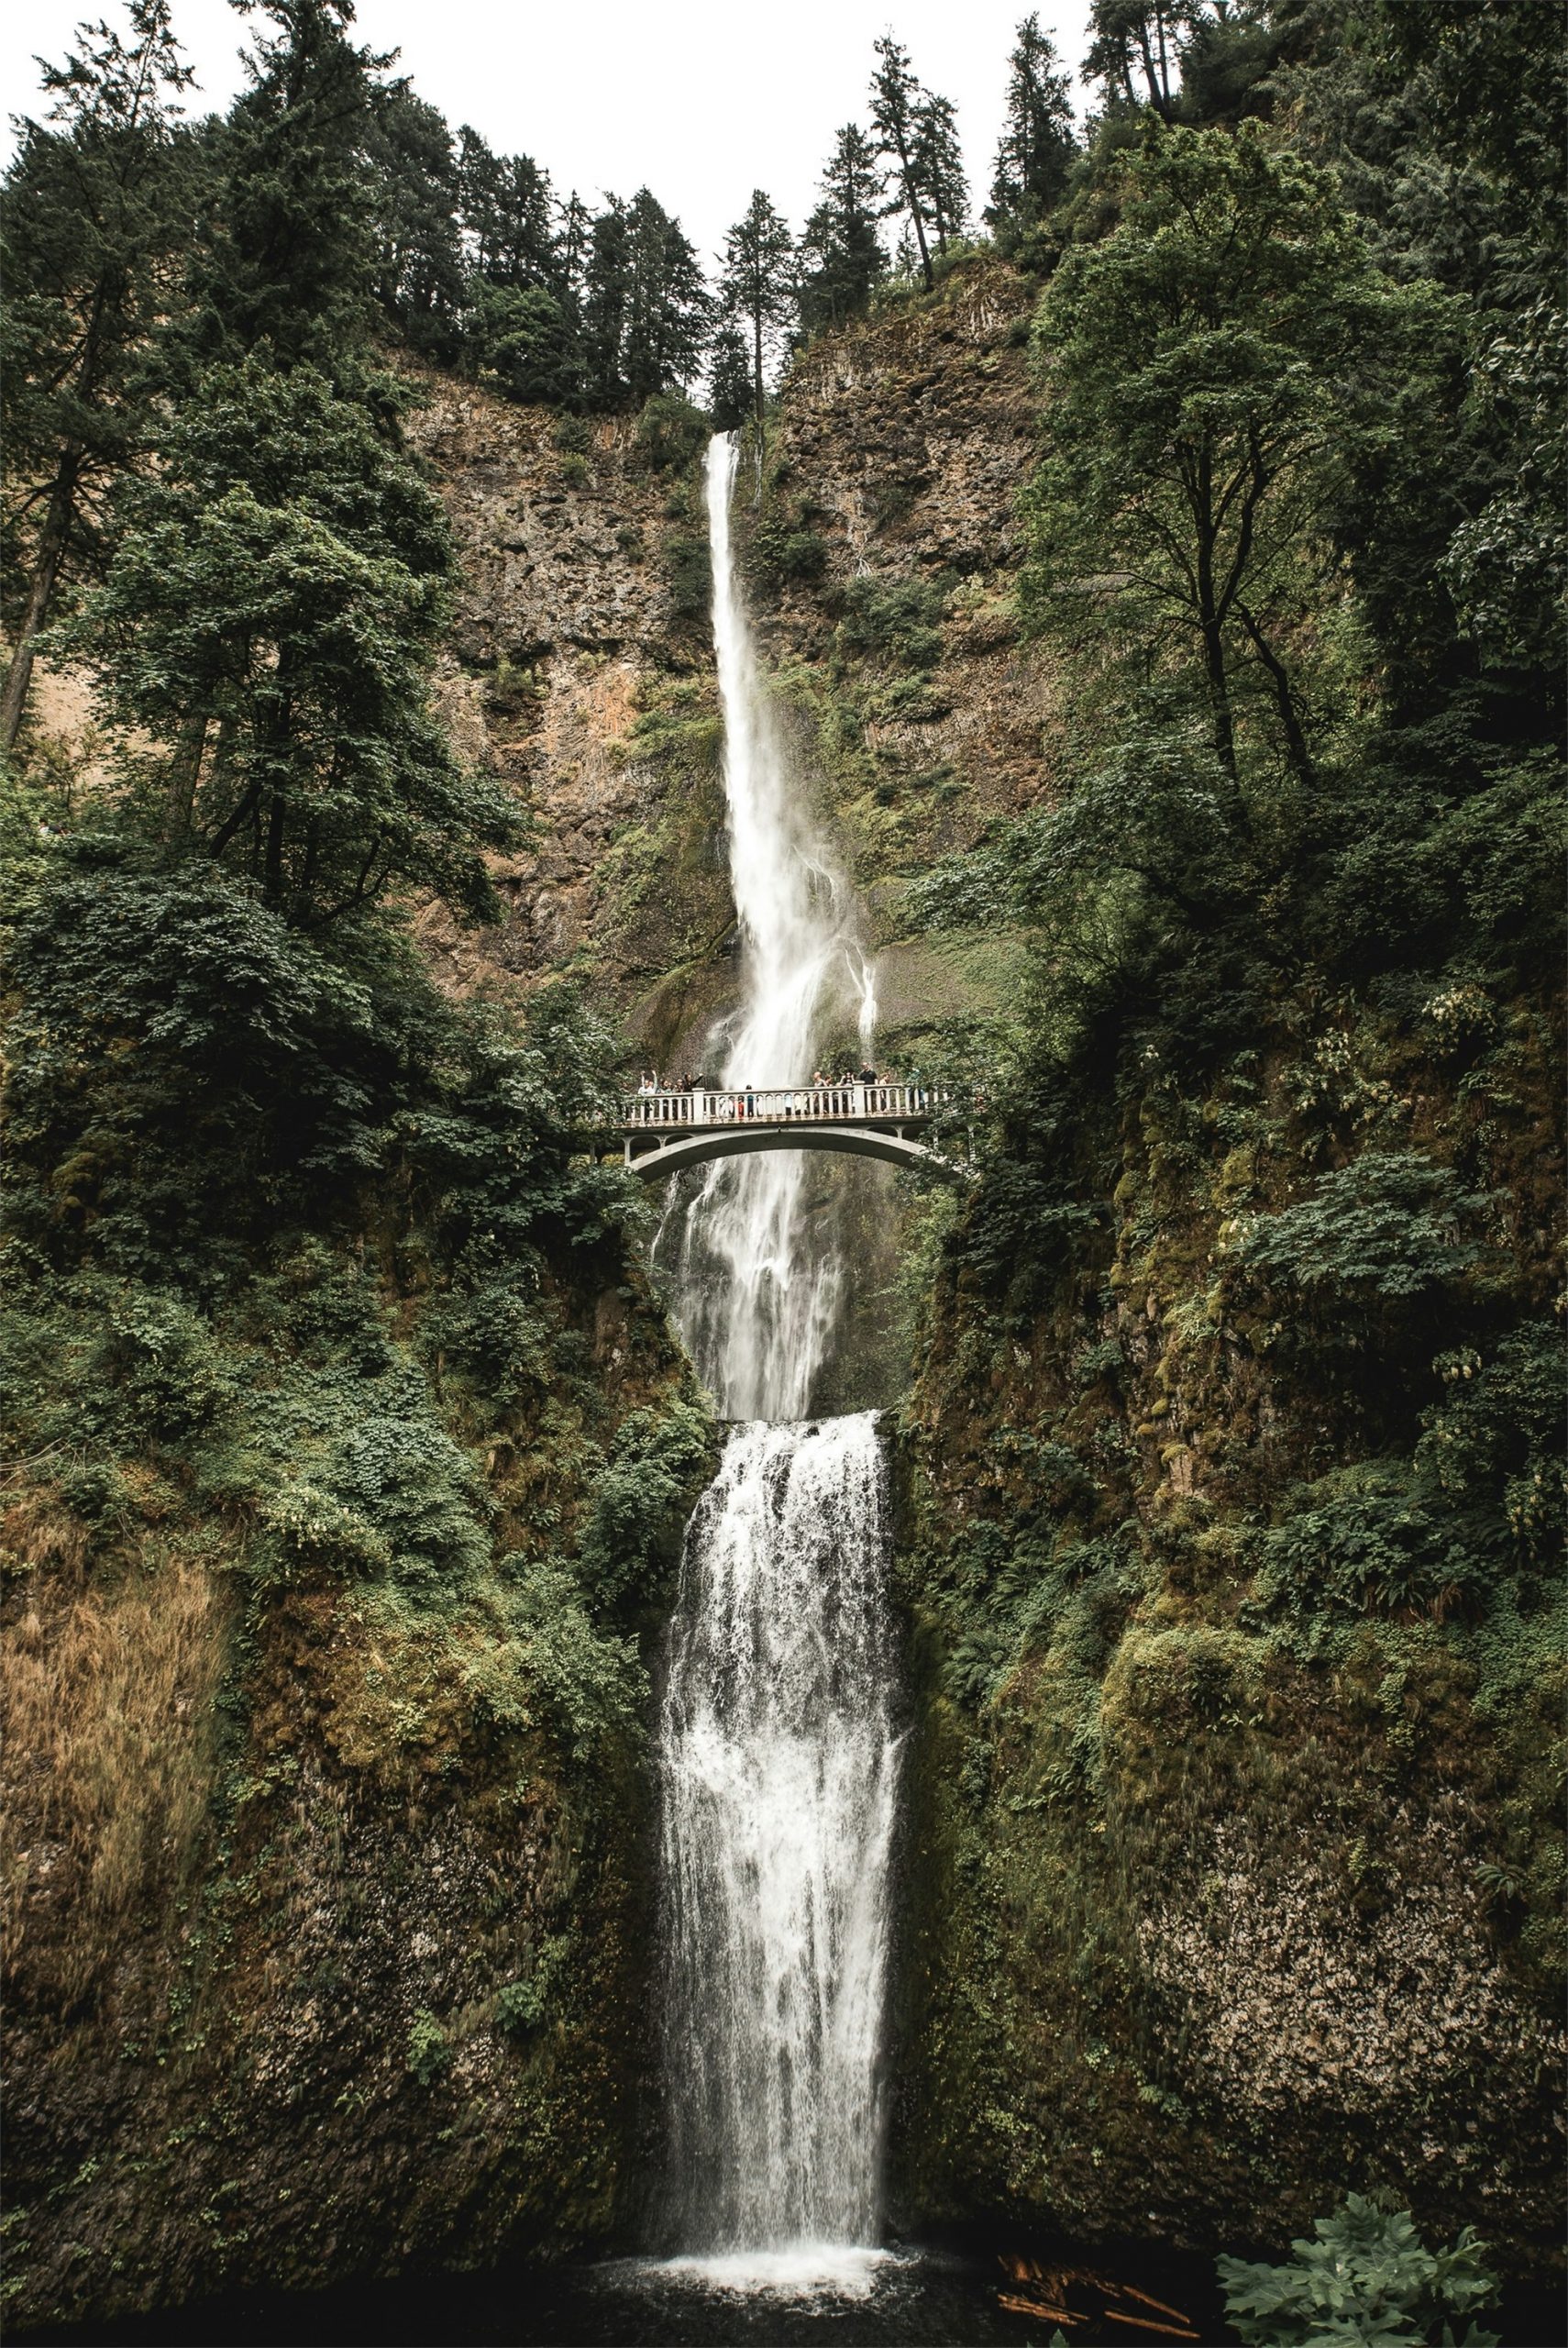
point(780, 1759)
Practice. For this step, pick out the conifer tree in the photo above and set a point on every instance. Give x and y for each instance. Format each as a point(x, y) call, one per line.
point(508, 216)
point(939, 162)
point(1037, 146)
point(1135, 53)
point(729, 378)
point(419, 267)
point(286, 254)
point(756, 284)
point(666, 309)
point(269, 623)
point(896, 97)
point(573, 225)
point(841, 254)
point(90, 215)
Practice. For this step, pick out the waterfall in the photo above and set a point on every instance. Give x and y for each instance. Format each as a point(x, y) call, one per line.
point(780, 1759)
point(758, 1304)
point(778, 1748)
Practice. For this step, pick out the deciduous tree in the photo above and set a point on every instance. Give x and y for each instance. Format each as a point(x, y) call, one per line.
point(1210, 368)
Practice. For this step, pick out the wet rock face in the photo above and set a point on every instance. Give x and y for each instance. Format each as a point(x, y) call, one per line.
point(568, 630)
point(902, 445)
point(375, 1995)
point(582, 662)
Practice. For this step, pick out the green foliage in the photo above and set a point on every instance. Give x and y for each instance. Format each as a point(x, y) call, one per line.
point(590, 1679)
point(783, 550)
point(522, 2006)
point(640, 1502)
point(842, 260)
point(757, 285)
point(1202, 401)
point(1039, 143)
point(1367, 2276)
point(1476, 1516)
point(429, 2051)
point(94, 212)
point(892, 620)
point(670, 433)
point(519, 341)
point(1390, 1225)
point(285, 250)
point(271, 619)
point(689, 567)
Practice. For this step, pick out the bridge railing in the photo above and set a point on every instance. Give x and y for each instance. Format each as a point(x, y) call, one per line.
point(780, 1105)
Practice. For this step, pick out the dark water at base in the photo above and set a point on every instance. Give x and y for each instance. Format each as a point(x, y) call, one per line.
point(907, 2300)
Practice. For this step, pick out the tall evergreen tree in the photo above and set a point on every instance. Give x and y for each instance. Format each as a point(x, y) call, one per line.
point(269, 623)
point(757, 285)
point(573, 225)
point(508, 216)
point(1038, 143)
point(92, 211)
point(895, 106)
point(841, 253)
point(606, 298)
point(729, 378)
point(940, 164)
point(1135, 52)
point(666, 307)
point(419, 266)
point(286, 254)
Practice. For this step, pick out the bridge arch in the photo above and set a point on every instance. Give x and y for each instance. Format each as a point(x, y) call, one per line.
point(741, 1140)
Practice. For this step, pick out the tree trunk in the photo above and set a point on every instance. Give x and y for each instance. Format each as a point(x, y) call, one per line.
point(185, 773)
point(1285, 700)
point(46, 576)
point(1209, 619)
point(757, 376)
point(912, 198)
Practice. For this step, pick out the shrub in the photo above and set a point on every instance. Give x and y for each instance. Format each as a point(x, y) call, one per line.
point(1388, 1225)
point(670, 432)
point(1367, 2277)
point(893, 620)
point(523, 2005)
point(641, 1501)
point(429, 2053)
point(690, 570)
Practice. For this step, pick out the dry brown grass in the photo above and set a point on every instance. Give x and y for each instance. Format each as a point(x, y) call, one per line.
point(106, 1693)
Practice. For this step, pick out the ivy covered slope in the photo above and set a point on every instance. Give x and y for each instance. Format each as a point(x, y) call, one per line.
point(1233, 1493)
point(347, 1453)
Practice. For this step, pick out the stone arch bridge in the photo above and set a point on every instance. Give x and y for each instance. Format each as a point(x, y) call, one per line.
point(662, 1132)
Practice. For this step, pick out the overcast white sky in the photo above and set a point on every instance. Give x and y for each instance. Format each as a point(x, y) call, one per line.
point(700, 100)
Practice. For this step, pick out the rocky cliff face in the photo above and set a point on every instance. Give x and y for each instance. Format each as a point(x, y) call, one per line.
point(1234, 1853)
point(328, 1909)
point(881, 540)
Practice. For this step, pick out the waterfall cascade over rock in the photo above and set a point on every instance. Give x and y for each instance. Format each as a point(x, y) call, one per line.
point(777, 1746)
point(757, 1301)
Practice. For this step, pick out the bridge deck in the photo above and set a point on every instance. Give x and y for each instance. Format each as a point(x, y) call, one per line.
point(900, 1108)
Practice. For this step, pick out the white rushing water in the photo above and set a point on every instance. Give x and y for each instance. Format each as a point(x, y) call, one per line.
point(778, 1748)
point(759, 1305)
point(780, 1758)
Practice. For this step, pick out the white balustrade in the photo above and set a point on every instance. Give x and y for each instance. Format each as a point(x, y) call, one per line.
point(772, 1104)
